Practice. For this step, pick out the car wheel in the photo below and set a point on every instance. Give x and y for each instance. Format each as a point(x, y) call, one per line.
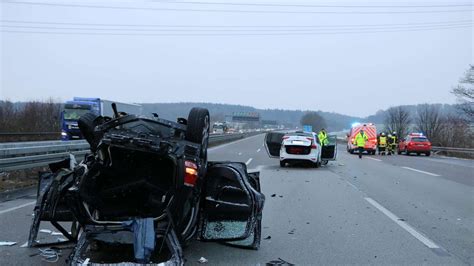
point(399, 152)
point(428, 153)
point(316, 164)
point(282, 164)
point(325, 162)
point(198, 131)
point(417, 154)
point(351, 151)
point(87, 123)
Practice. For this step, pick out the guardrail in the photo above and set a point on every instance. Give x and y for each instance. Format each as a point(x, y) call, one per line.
point(25, 155)
point(437, 149)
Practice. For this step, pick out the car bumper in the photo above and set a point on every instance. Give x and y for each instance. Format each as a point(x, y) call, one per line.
point(312, 157)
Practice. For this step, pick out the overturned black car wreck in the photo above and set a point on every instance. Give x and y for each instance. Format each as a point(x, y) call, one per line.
point(146, 187)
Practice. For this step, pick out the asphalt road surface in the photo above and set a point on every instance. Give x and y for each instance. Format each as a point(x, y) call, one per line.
point(377, 210)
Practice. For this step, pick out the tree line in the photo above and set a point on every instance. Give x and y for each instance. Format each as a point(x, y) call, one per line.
point(32, 116)
point(449, 130)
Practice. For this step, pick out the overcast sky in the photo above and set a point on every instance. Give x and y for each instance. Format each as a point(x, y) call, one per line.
point(323, 69)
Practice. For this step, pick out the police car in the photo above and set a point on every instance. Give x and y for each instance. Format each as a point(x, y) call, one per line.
point(415, 143)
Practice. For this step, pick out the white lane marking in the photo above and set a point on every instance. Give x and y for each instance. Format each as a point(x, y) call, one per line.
point(378, 160)
point(258, 150)
point(18, 207)
point(248, 161)
point(419, 171)
point(352, 185)
point(423, 239)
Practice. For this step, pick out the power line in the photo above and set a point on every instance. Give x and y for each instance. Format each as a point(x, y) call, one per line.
point(236, 10)
point(322, 5)
point(230, 26)
point(238, 34)
point(228, 30)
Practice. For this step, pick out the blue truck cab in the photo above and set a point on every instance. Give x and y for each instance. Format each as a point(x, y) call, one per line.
point(71, 113)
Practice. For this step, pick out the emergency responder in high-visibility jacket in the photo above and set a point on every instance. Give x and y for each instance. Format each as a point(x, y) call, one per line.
point(394, 142)
point(360, 140)
point(323, 137)
point(382, 143)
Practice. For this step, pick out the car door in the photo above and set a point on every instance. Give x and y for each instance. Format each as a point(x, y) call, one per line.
point(329, 152)
point(231, 206)
point(272, 143)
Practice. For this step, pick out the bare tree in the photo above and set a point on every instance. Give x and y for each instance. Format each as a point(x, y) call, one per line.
point(398, 119)
point(455, 132)
point(465, 93)
point(313, 119)
point(429, 121)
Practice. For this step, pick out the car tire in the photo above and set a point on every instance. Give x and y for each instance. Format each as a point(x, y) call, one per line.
point(282, 164)
point(417, 154)
point(198, 131)
point(316, 164)
point(351, 151)
point(87, 123)
point(428, 153)
point(399, 152)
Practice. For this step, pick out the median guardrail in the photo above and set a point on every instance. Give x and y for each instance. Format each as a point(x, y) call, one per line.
point(438, 149)
point(25, 155)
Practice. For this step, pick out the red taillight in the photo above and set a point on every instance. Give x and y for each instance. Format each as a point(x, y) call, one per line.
point(191, 174)
point(313, 145)
point(286, 137)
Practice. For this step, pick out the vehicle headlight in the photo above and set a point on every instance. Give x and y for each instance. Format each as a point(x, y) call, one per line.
point(63, 134)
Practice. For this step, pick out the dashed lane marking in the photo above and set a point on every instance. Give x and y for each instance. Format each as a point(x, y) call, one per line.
point(423, 239)
point(17, 207)
point(249, 161)
point(419, 171)
point(378, 160)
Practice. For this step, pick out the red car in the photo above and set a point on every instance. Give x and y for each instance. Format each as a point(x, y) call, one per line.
point(415, 143)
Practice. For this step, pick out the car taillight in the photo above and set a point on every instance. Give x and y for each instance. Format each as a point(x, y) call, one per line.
point(313, 145)
point(191, 174)
point(285, 137)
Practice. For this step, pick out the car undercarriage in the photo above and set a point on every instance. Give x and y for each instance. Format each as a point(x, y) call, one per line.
point(145, 190)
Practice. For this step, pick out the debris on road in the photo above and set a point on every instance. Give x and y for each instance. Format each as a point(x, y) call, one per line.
point(7, 243)
point(292, 231)
point(268, 237)
point(281, 196)
point(273, 195)
point(50, 254)
point(341, 164)
point(279, 262)
point(355, 176)
point(202, 260)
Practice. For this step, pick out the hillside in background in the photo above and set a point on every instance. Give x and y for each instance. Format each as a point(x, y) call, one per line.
point(335, 122)
point(379, 116)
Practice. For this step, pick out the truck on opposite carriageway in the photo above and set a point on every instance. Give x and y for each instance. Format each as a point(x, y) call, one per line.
point(80, 106)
